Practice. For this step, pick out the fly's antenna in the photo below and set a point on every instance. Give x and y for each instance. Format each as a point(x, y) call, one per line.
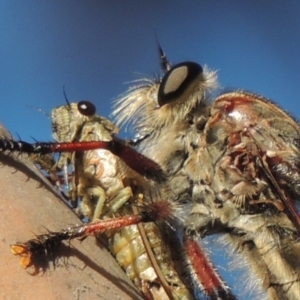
point(164, 63)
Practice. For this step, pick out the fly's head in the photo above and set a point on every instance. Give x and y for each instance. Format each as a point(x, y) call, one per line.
point(163, 112)
point(160, 103)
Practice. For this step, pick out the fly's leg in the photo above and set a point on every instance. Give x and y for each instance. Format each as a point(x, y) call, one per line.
point(270, 234)
point(203, 274)
point(273, 237)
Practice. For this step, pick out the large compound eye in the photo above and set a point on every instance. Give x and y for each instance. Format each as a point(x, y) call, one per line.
point(177, 80)
point(86, 108)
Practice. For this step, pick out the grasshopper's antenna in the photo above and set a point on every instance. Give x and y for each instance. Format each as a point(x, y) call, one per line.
point(39, 110)
point(66, 98)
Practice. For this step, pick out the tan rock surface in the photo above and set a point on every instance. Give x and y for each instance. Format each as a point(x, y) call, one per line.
point(28, 204)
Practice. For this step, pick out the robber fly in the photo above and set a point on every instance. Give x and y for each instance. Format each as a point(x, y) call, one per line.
point(235, 176)
point(240, 159)
point(231, 164)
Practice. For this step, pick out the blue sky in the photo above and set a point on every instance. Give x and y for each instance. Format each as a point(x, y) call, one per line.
point(94, 47)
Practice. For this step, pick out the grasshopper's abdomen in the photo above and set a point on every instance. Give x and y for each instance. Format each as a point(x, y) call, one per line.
point(158, 278)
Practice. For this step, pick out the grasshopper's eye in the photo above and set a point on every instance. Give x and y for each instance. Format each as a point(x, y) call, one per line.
point(86, 108)
point(177, 81)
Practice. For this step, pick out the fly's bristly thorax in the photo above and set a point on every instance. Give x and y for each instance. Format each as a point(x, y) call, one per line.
point(161, 112)
point(155, 103)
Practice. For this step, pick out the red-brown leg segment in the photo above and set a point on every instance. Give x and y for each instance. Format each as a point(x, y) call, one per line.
point(204, 276)
point(136, 161)
point(46, 244)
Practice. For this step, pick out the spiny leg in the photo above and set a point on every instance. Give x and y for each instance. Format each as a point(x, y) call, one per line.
point(204, 276)
point(46, 244)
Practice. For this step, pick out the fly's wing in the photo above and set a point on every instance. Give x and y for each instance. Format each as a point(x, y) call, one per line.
point(250, 142)
point(270, 136)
